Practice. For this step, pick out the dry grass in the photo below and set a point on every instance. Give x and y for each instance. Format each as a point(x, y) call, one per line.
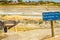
point(2, 36)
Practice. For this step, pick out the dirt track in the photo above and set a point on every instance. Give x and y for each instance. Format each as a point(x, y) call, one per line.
point(28, 9)
point(30, 35)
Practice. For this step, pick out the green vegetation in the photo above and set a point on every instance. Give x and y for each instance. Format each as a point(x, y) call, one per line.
point(6, 1)
point(20, 2)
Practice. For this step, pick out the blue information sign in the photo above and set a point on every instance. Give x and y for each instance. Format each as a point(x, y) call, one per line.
point(51, 16)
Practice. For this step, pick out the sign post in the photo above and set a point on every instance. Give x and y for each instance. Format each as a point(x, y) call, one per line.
point(51, 16)
point(52, 28)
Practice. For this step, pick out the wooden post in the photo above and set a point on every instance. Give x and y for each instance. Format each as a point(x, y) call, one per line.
point(52, 28)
